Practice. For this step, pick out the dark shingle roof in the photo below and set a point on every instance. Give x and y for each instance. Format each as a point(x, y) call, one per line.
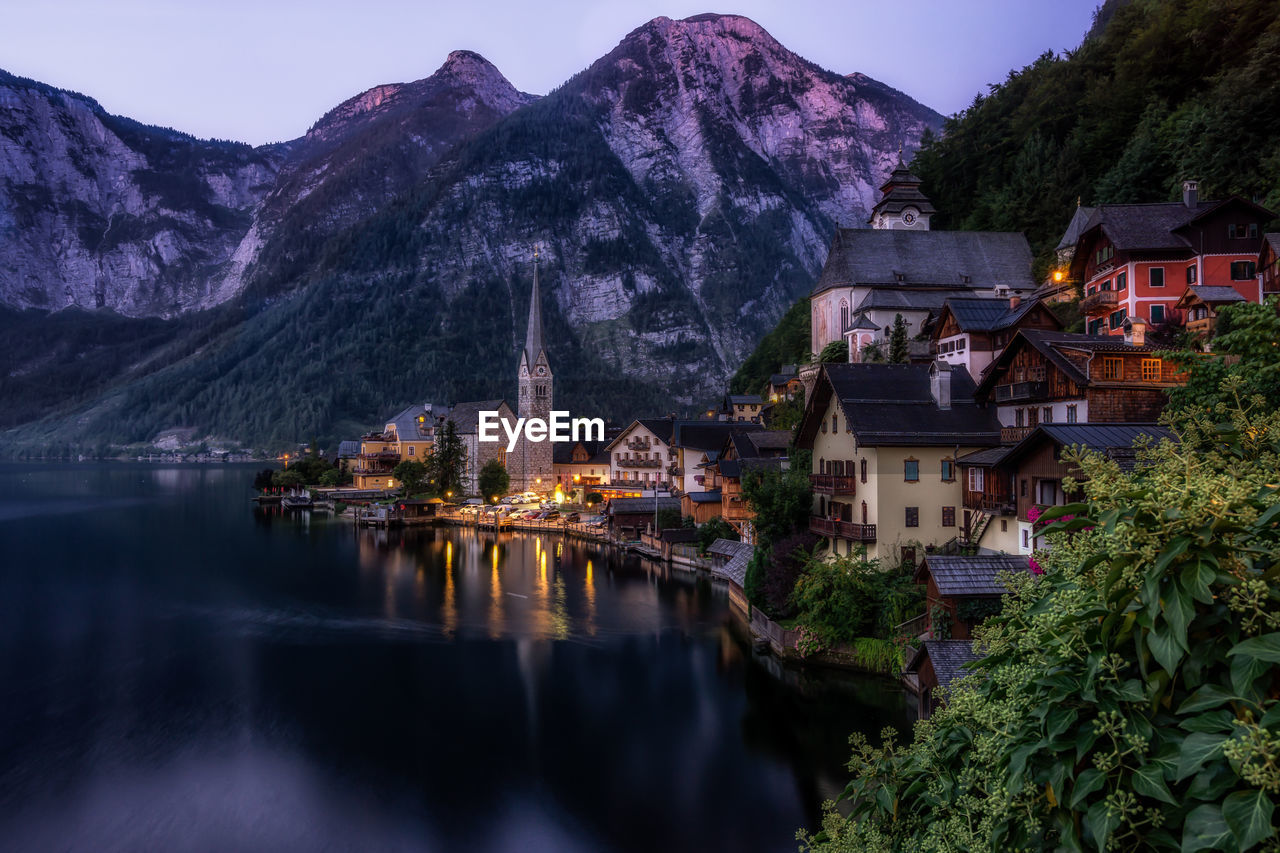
point(948, 658)
point(711, 497)
point(704, 435)
point(562, 452)
point(466, 416)
point(891, 404)
point(661, 427)
point(744, 399)
point(1146, 226)
point(1052, 344)
point(1216, 293)
point(977, 575)
point(631, 506)
point(1115, 441)
point(986, 315)
point(862, 256)
point(1079, 221)
point(908, 299)
point(986, 457)
point(769, 439)
point(736, 569)
point(406, 422)
point(348, 448)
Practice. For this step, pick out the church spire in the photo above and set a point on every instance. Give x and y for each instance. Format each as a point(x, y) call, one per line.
point(533, 339)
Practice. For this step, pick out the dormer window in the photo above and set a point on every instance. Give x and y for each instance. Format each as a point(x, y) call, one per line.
point(898, 276)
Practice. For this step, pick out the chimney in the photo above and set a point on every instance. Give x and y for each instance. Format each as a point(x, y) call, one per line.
point(1135, 331)
point(940, 384)
point(1014, 301)
point(1190, 189)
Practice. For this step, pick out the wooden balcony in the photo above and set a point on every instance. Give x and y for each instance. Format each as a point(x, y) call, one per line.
point(833, 484)
point(994, 504)
point(842, 529)
point(735, 510)
point(1102, 302)
point(624, 462)
point(1012, 435)
point(1202, 326)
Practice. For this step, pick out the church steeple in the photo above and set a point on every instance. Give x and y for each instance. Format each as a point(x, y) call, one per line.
point(533, 338)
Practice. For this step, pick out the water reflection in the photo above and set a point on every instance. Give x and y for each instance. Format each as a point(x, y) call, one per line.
point(189, 673)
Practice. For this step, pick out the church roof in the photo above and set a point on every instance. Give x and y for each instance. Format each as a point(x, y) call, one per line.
point(466, 416)
point(533, 338)
point(923, 259)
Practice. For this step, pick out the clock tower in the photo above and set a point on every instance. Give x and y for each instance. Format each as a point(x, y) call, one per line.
point(530, 465)
point(903, 206)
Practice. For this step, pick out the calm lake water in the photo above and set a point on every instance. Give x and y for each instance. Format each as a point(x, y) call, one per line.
point(181, 672)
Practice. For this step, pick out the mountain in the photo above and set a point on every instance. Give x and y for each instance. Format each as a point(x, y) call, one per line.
point(99, 211)
point(683, 189)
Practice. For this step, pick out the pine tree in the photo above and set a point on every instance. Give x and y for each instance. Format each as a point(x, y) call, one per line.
point(899, 353)
point(448, 461)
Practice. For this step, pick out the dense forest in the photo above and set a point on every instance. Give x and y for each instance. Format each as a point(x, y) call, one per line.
point(1159, 91)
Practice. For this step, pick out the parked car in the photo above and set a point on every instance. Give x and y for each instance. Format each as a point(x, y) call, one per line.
point(551, 515)
point(573, 517)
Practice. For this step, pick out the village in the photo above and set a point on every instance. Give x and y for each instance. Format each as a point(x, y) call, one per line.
point(927, 433)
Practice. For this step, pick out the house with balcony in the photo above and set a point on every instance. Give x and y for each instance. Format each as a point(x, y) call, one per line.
point(410, 434)
point(970, 332)
point(885, 439)
point(1137, 260)
point(744, 450)
point(742, 408)
point(696, 443)
point(641, 456)
point(1059, 377)
point(988, 521)
point(1199, 307)
point(580, 465)
point(1036, 470)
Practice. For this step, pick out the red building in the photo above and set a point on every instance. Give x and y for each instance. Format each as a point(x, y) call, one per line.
point(1137, 260)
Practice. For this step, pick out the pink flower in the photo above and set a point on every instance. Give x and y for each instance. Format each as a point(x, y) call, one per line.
point(1035, 567)
point(1034, 513)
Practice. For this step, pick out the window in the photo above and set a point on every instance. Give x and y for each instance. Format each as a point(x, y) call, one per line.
point(1156, 278)
point(1022, 488)
point(1026, 538)
point(911, 470)
point(1018, 418)
point(977, 476)
point(1151, 369)
point(411, 449)
point(1113, 368)
point(948, 471)
point(1072, 414)
point(1191, 274)
point(1104, 254)
point(913, 516)
point(1046, 415)
point(835, 423)
point(1122, 281)
point(1096, 326)
point(948, 516)
point(1117, 318)
point(863, 466)
point(1106, 285)
point(1243, 270)
point(1242, 231)
point(824, 426)
point(1157, 313)
point(1004, 526)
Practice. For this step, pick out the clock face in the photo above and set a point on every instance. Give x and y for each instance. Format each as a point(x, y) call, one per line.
point(909, 216)
point(542, 371)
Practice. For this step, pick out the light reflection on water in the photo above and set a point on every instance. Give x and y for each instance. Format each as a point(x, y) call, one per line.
point(183, 673)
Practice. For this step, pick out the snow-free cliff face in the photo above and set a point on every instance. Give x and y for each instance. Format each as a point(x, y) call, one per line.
point(683, 189)
point(98, 211)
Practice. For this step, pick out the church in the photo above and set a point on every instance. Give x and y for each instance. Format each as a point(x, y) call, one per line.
point(900, 266)
point(531, 464)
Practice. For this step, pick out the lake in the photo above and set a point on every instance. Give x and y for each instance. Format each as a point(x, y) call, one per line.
point(180, 671)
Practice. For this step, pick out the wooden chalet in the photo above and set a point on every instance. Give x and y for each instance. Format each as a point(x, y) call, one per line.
point(971, 332)
point(1200, 304)
point(1056, 377)
point(963, 591)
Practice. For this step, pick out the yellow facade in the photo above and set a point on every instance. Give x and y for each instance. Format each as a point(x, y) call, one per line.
point(882, 497)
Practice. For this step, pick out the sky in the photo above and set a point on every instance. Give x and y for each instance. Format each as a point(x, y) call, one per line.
point(262, 71)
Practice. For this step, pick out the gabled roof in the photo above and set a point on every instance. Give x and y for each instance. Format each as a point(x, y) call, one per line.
point(891, 404)
point(744, 399)
point(1053, 345)
point(708, 497)
point(348, 448)
point(1156, 226)
point(405, 422)
point(769, 439)
point(861, 256)
point(466, 416)
point(783, 378)
point(1079, 221)
point(1115, 441)
point(977, 575)
point(705, 435)
point(948, 658)
point(1211, 294)
point(562, 452)
point(735, 570)
point(974, 314)
point(985, 458)
point(660, 427)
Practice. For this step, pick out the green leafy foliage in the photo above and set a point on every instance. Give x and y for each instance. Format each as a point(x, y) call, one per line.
point(1245, 363)
point(1127, 699)
point(412, 476)
point(842, 599)
point(716, 528)
point(836, 351)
